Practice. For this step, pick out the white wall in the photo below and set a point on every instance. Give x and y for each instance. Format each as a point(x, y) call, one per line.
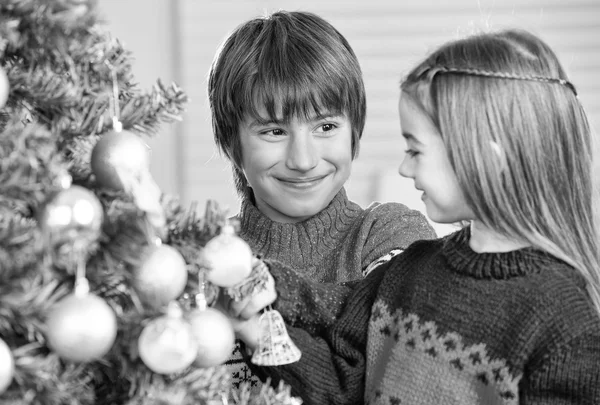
point(176, 40)
point(146, 28)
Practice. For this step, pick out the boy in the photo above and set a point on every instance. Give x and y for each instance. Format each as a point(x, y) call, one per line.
point(288, 110)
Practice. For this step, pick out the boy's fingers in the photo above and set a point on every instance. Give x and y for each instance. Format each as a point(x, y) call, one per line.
point(257, 303)
point(249, 306)
point(249, 331)
point(236, 307)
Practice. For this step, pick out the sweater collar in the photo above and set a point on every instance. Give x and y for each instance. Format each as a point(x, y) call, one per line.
point(299, 242)
point(516, 263)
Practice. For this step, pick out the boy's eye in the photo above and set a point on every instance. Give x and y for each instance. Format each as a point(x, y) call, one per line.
point(274, 132)
point(411, 152)
point(328, 127)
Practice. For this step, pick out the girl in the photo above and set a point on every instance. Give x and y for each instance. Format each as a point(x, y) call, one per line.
point(504, 311)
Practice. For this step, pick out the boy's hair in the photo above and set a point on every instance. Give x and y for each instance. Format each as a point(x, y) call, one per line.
point(292, 63)
point(518, 139)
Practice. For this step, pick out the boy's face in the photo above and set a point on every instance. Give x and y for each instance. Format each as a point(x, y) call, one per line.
point(296, 168)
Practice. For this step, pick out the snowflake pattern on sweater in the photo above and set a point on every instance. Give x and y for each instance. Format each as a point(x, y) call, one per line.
point(239, 370)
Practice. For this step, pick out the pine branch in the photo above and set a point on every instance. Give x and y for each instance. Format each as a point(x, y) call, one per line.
point(62, 69)
point(30, 167)
point(44, 379)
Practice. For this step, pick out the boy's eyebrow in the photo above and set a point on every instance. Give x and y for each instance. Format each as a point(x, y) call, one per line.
point(257, 122)
point(326, 115)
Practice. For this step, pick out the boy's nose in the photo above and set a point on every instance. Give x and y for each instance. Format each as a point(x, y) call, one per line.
point(302, 154)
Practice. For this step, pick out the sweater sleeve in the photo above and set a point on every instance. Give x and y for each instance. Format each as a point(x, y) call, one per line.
point(333, 365)
point(389, 227)
point(305, 303)
point(569, 375)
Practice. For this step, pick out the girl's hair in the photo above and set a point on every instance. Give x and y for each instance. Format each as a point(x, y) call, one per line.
point(292, 63)
point(518, 139)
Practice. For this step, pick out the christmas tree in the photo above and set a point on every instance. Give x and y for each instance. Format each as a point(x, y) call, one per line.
point(105, 290)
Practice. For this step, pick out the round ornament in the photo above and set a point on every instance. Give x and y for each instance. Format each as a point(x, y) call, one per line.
point(7, 366)
point(81, 328)
point(228, 257)
point(161, 277)
point(4, 88)
point(214, 336)
point(166, 345)
point(72, 215)
point(118, 158)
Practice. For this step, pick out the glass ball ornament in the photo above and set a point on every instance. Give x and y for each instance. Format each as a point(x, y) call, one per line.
point(161, 277)
point(7, 366)
point(81, 327)
point(71, 215)
point(214, 335)
point(119, 157)
point(166, 344)
point(228, 257)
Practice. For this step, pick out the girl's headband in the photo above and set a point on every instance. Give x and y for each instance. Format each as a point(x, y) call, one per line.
point(431, 71)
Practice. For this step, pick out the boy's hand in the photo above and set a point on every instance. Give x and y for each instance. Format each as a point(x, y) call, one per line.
point(246, 327)
point(247, 308)
point(248, 331)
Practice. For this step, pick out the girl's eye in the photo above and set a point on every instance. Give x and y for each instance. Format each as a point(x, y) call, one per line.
point(411, 152)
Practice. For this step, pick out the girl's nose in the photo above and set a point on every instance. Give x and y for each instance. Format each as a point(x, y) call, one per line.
point(405, 169)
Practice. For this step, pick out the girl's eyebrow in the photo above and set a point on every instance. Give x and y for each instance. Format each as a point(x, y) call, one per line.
point(410, 137)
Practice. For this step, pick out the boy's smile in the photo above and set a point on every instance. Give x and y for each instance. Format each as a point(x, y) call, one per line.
point(302, 183)
point(296, 167)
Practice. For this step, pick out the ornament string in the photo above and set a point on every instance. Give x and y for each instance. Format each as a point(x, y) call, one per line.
point(82, 286)
point(114, 101)
point(201, 301)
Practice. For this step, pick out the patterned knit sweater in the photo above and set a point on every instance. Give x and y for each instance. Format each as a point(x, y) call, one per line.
point(335, 245)
point(441, 324)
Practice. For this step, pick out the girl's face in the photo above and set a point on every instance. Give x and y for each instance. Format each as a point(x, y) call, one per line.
point(296, 168)
point(426, 162)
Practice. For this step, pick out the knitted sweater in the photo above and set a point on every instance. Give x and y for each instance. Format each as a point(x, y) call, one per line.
point(441, 324)
point(337, 244)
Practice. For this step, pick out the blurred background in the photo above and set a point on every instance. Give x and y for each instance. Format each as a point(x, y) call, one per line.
point(175, 40)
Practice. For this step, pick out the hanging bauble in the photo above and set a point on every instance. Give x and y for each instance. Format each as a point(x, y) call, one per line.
point(72, 215)
point(121, 161)
point(7, 366)
point(81, 327)
point(214, 336)
point(228, 258)
point(4, 88)
point(118, 156)
point(161, 276)
point(166, 344)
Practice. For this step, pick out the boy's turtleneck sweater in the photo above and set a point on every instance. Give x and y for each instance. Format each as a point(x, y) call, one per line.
point(335, 245)
point(339, 242)
point(442, 324)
